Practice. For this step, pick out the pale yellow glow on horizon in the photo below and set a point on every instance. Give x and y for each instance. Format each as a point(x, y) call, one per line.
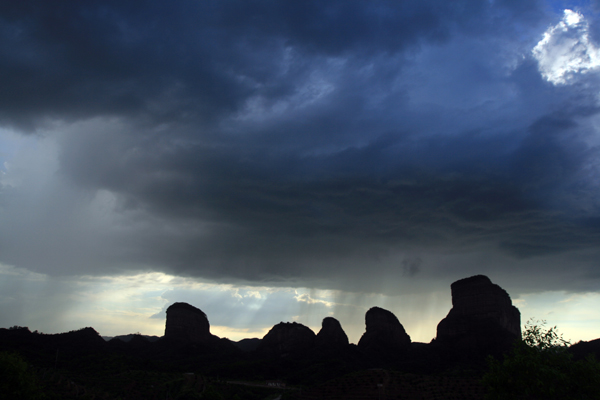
point(238, 334)
point(576, 315)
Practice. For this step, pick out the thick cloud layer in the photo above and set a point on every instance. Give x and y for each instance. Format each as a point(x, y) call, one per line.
point(342, 145)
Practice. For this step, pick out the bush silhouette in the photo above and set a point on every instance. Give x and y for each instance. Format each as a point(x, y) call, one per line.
point(540, 367)
point(16, 380)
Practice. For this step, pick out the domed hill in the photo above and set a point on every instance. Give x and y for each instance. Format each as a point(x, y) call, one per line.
point(384, 333)
point(85, 338)
point(482, 317)
point(287, 337)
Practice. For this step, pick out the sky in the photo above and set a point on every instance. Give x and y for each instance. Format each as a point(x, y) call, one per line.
point(271, 161)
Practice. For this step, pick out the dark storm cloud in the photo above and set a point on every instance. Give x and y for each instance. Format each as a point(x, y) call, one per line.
point(262, 141)
point(76, 60)
point(274, 212)
point(192, 60)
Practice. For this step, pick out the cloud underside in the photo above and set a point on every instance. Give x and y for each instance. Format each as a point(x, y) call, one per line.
point(310, 144)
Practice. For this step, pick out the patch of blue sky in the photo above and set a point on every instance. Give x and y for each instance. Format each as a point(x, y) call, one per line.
point(558, 6)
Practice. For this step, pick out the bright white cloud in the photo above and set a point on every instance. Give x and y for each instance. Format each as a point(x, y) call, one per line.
point(306, 298)
point(566, 50)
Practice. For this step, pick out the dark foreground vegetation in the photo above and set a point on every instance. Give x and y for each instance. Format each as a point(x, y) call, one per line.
point(81, 365)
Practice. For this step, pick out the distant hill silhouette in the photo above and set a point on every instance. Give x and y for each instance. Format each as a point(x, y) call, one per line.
point(129, 337)
point(581, 349)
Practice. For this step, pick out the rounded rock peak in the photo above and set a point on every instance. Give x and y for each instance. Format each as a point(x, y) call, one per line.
point(376, 315)
point(384, 333)
point(290, 327)
point(286, 337)
point(331, 333)
point(187, 307)
point(330, 322)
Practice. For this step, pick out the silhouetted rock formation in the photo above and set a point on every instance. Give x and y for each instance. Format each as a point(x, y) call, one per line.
point(186, 323)
point(482, 318)
point(331, 334)
point(482, 322)
point(384, 333)
point(287, 337)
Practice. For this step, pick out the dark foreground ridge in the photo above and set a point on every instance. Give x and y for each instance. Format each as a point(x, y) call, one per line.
point(482, 322)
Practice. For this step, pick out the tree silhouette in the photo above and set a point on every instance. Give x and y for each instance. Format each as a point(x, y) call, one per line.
point(541, 367)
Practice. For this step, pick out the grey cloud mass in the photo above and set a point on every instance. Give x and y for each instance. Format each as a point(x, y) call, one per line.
point(318, 144)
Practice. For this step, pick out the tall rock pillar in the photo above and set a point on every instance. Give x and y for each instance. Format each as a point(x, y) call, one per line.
point(384, 334)
point(186, 323)
point(482, 317)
